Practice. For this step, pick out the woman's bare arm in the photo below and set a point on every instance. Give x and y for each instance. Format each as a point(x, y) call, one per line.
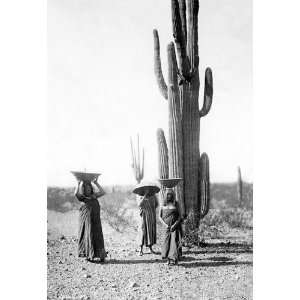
point(173, 227)
point(100, 192)
point(78, 194)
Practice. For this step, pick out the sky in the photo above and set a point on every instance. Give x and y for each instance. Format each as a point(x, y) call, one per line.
point(102, 89)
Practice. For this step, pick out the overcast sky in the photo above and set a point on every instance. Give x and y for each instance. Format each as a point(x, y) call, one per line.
point(102, 89)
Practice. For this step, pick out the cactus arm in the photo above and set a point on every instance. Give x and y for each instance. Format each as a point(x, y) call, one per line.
point(143, 164)
point(138, 170)
point(208, 93)
point(240, 187)
point(157, 66)
point(204, 185)
point(133, 166)
point(138, 151)
point(192, 29)
point(182, 11)
point(172, 66)
point(163, 160)
point(179, 38)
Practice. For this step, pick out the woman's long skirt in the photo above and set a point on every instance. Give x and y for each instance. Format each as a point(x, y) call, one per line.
point(91, 242)
point(147, 231)
point(171, 239)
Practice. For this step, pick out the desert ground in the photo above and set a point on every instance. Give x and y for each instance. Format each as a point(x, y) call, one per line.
point(219, 267)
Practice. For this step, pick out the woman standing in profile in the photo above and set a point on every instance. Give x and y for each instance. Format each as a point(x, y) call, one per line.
point(147, 232)
point(90, 238)
point(170, 218)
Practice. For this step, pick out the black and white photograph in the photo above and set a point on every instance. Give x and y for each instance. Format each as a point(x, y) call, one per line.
point(150, 150)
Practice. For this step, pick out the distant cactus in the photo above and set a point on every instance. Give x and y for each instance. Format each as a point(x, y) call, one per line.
point(137, 164)
point(240, 187)
point(182, 94)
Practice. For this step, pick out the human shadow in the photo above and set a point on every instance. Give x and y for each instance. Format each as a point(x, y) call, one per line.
point(134, 262)
point(198, 264)
point(222, 247)
point(221, 251)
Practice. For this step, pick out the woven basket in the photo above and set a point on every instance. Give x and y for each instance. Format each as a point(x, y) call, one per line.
point(170, 182)
point(142, 187)
point(83, 176)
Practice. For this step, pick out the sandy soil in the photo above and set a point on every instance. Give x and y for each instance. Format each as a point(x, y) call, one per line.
point(221, 270)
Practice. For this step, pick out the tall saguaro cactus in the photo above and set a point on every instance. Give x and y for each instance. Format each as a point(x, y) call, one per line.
point(182, 94)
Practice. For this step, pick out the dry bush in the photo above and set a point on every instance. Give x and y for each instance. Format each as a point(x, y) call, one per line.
point(114, 206)
point(216, 224)
point(115, 211)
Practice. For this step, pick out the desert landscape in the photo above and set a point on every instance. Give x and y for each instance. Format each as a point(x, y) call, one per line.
point(217, 262)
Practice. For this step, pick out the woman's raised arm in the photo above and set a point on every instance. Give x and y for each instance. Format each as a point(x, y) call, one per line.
point(78, 194)
point(100, 192)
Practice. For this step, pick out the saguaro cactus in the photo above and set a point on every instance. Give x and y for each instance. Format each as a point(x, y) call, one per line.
point(182, 93)
point(137, 165)
point(239, 187)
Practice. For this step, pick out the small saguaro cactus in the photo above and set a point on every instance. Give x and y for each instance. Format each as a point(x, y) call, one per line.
point(182, 93)
point(239, 187)
point(137, 164)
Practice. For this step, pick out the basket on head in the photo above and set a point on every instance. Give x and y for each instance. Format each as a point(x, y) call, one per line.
point(141, 188)
point(170, 182)
point(87, 177)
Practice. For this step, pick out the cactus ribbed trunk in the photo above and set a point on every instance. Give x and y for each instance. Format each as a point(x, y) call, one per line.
point(163, 161)
point(175, 129)
point(182, 93)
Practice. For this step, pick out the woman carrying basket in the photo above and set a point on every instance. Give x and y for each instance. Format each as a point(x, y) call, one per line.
point(170, 218)
point(90, 238)
point(147, 203)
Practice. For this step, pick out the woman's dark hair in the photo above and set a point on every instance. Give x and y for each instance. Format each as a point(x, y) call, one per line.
point(169, 200)
point(85, 185)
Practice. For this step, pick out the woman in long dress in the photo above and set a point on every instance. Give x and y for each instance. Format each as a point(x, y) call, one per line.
point(147, 231)
point(90, 237)
point(170, 218)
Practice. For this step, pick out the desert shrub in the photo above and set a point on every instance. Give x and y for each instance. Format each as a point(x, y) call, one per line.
point(217, 223)
point(115, 211)
point(224, 195)
point(114, 206)
point(61, 199)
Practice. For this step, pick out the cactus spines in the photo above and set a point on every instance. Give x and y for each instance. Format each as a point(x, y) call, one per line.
point(240, 187)
point(204, 185)
point(136, 164)
point(183, 101)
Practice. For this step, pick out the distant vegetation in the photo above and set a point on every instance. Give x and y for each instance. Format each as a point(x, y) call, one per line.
point(224, 195)
point(226, 211)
